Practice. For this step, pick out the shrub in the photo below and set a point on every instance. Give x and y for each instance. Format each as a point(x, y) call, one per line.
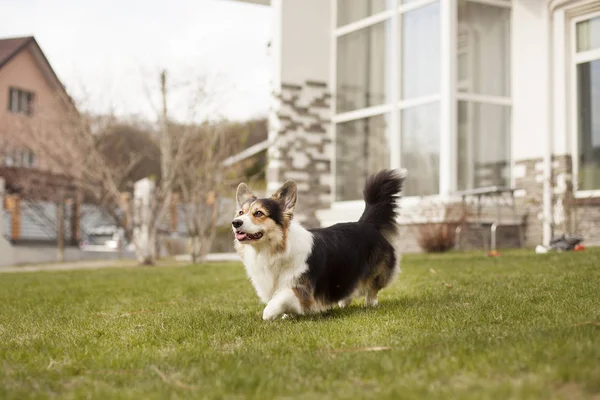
point(438, 233)
point(436, 237)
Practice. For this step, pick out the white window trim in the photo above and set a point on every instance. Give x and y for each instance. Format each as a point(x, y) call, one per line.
point(484, 99)
point(362, 113)
point(575, 59)
point(586, 56)
point(333, 103)
point(395, 81)
point(587, 194)
point(495, 3)
point(404, 8)
point(419, 101)
point(363, 23)
point(448, 105)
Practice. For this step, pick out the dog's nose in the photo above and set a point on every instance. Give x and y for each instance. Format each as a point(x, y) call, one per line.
point(237, 223)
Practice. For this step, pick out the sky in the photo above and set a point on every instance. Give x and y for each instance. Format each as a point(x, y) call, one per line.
point(109, 53)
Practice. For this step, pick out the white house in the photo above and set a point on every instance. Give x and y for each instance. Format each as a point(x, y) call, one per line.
point(463, 93)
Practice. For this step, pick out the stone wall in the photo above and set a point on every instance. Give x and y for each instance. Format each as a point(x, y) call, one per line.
point(529, 178)
point(570, 214)
point(491, 174)
point(302, 147)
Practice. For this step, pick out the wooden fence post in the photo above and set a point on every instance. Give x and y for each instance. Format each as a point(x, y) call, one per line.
point(60, 232)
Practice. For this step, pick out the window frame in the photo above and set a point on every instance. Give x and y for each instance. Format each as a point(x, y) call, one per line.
point(24, 101)
point(576, 58)
point(448, 95)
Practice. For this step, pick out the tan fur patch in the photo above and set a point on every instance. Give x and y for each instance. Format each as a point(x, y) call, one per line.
point(274, 234)
point(304, 292)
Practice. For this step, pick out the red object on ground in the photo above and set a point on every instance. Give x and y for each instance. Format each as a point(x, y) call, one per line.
point(579, 247)
point(492, 253)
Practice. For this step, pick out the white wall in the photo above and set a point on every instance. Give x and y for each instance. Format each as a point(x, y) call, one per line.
point(530, 79)
point(305, 40)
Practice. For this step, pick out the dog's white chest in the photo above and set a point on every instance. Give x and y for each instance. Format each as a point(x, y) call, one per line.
point(270, 273)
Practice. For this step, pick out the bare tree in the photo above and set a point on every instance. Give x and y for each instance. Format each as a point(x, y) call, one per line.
point(102, 167)
point(202, 181)
point(66, 147)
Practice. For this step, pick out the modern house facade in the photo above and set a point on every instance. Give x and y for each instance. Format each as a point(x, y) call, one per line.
point(465, 94)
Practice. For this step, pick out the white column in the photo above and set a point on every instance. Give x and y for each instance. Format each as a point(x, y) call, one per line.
point(547, 183)
point(333, 91)
point(395, 54)
point(448, 117)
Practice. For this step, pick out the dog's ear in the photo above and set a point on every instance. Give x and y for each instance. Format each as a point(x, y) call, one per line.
point(286, 197)
point(243, 194)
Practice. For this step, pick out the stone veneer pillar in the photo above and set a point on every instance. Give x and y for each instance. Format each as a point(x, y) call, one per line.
point(570, 214)
point(302, 147)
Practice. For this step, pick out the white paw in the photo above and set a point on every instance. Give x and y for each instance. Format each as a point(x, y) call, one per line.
point(270, 313)
point(344, 303)
point(371, 303)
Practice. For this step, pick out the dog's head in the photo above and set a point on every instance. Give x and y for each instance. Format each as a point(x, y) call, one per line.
point(264, 221)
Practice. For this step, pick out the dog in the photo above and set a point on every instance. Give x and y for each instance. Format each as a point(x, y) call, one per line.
point(296, 271)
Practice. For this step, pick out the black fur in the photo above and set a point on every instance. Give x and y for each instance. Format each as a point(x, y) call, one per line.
point(381, 193)
point(274, 210)
point(347, 254)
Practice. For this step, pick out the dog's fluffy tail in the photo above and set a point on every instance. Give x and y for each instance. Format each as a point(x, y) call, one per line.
point(381, 193)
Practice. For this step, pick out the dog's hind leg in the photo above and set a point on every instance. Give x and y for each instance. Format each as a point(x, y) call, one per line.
point(345, 303)
point(371, 298)
point(384, 274)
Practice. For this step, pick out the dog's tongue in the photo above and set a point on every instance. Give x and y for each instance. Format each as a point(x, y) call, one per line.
point(240, 236)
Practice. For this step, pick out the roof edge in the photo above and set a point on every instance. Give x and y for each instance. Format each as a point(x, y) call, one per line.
point(26, 42)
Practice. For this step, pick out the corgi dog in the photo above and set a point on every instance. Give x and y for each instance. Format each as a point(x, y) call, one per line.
point(298, 271)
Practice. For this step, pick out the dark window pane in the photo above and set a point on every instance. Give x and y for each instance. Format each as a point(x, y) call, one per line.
point(362, 148)
point(420, 49)
point(353, 10)
point(362, 68)
point(588, 87)
point(588, 34)
point(483, 145)
point(483, 49)
point(420, 137)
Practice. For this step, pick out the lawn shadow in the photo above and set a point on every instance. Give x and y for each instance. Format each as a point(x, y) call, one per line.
point(387, 306)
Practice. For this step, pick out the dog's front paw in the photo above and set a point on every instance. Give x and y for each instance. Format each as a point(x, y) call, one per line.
point(270, 312)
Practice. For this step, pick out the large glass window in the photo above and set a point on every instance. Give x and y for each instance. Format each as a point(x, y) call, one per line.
point(484, 48)
point(362, 62)
point(362, 148)
point(420, 138)
point(483, 145)
point(420, 49)
point(388, 92)
point(587, 59)
point(588, 86)
point(353, 10)
point(483, 131)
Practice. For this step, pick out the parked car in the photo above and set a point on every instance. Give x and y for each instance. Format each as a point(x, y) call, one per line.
point(108, 238)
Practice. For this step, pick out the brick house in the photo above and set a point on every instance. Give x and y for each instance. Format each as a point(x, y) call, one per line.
point(466, 94)
point(30, 93)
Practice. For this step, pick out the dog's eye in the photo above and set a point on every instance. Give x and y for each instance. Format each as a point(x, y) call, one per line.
point(258, 214)
point(241, 212)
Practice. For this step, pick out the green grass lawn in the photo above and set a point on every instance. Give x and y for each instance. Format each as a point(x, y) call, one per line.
point(452, 326)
